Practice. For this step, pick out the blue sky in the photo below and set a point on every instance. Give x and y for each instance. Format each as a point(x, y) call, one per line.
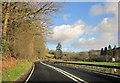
point(82, 26)
point(78, 10)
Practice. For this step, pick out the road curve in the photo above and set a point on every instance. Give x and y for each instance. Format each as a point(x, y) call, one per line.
point(44, 73)
point(51, 72)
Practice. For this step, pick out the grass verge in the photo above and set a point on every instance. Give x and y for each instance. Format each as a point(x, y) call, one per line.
point(47, 54)
point(13, 73)
point(100, 63)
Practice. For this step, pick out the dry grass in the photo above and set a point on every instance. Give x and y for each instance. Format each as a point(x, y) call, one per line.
point(13, 68)
point(8, 62)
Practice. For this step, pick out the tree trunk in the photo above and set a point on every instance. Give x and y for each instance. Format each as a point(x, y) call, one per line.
point(5, 26)
point(7, 15)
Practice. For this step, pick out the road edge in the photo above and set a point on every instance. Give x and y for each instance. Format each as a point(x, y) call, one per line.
point(30, 74)
point(23, 77)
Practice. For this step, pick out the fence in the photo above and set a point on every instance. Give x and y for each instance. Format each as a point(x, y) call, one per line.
point(115, 70)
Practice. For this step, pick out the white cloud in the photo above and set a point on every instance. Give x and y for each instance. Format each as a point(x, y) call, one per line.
point(109, 7)
point(81, 40)
point(65, 33)
point(96, 9)
point(91, 39)
point(108, 25)
point(107, 29)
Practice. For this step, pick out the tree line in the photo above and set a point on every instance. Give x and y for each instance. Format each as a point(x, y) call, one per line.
point(25, 26)
point(110, 52)
point(103, 55)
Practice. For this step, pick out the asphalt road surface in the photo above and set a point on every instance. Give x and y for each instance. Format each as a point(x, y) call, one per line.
point(45, 71)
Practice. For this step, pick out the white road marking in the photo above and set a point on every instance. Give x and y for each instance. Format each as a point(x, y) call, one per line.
point(104, 74)
point(30, 74)
point(73, 77)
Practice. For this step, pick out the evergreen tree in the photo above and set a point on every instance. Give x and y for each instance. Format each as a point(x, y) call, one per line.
point(102, 51)
point(114, 51)
point(105, 51)
point(58, 53)
point(110, 52)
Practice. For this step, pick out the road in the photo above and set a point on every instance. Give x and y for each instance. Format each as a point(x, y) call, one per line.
point(45, 71)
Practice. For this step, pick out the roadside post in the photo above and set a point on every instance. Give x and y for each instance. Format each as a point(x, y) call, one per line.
point(113, 60)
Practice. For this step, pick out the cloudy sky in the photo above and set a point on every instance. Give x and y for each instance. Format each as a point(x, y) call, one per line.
point(82, 26)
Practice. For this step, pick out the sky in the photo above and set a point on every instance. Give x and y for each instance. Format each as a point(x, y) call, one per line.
point(83, 26)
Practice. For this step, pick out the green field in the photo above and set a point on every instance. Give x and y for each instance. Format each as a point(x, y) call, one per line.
point(100, 63)
point(47, 54)
point(14, 73)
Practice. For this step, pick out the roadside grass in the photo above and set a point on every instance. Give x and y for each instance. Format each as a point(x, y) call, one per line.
point(13, 73)
point(47, 54)
point(99, 63)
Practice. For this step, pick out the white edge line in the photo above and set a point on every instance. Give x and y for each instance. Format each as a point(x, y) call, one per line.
point(73, 76)
point(65, 73)
point(58, 71)
point(102, 73)
point(30, 74)
point(105, 74)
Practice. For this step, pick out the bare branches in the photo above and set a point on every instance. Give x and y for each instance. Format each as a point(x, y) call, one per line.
point(27, 27)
